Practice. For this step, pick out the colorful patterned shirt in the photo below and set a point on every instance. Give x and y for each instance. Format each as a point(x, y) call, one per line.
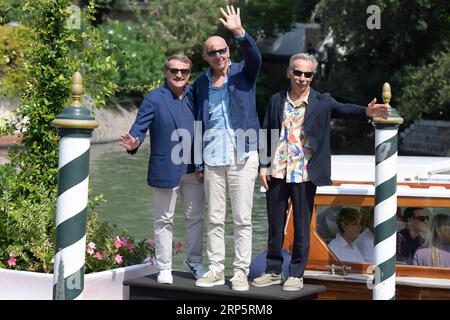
point(293, 151)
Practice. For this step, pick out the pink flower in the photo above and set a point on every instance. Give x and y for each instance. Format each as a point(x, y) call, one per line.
point(118, 243)
point(152, 262)
point(130, 246)
point(149, 242)
point(179, 247)
point(90, 248)
point(11, 261)
point(118, 258)
point(98, 255)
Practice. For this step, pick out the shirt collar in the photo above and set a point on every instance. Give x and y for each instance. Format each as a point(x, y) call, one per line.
point(341, 239)
point(185, 90)
point(208, 72)
point(301, 102)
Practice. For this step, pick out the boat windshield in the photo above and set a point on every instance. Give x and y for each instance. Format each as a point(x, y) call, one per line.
point(423, 234)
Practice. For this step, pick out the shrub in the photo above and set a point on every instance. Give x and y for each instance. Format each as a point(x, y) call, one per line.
point(139, 59)
point(28, 184)
point(13, 41)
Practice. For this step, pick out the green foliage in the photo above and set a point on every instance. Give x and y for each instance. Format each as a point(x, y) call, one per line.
point(426, 89)
point(159, 29)
point(266, 17)
point(27, 224)
point(108, 249)
point(13, 43)
point(401, 53)
point(10, 10)
point(182, 26)
point(410, 32)
point(139, 63)
point(28, 182)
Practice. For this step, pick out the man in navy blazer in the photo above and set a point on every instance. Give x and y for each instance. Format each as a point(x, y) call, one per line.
point(297, 159)
point(225, 97)
point(167, 112)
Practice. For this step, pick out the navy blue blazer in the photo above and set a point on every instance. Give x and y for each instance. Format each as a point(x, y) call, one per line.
point(162, 113)
point(319, 111)
point(242, 87)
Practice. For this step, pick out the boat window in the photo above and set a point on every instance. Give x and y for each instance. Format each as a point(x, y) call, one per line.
point(340, 226)
point(423, 234)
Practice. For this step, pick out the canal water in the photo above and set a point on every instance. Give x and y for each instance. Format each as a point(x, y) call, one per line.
point(122, 179)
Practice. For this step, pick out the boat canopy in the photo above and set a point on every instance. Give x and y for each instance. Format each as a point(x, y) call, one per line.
point(355, 175)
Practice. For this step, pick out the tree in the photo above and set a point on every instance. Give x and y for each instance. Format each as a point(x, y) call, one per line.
point(159, 28)
point(411, 31)
point(426, 89)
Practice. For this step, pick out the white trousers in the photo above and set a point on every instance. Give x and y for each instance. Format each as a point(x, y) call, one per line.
point(164, 200)
point(239, 181)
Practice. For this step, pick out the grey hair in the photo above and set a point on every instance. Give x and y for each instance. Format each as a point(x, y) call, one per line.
point(179, 57)
point(303, 56)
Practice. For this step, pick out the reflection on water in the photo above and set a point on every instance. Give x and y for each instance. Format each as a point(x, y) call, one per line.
point(123, 180)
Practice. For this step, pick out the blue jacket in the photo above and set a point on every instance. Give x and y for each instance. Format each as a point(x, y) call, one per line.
point(242, 87)
point(319, 111)
point(161, 113)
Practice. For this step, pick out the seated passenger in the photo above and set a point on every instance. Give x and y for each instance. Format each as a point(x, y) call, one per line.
point(349, 224)
point(409, 239)
point(365, 241)
point(437, 252)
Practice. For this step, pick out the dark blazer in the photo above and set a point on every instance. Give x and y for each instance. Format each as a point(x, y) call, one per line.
point(161, 113)
point(320, 109)
point(241, 85)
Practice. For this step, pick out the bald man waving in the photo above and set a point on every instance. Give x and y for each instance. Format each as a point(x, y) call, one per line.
point(225, 99)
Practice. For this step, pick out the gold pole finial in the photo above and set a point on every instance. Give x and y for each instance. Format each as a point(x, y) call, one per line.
point(394, 118)
point(77, 89)
point(386, 93)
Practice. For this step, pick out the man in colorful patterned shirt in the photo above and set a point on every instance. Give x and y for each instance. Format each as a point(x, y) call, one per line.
point(297, 124)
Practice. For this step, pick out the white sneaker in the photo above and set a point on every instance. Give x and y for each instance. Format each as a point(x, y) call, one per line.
point(165, 276)
point(195, 268)
point(211, 278)
point(239, 282)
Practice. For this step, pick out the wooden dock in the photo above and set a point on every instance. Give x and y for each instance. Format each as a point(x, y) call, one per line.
point(183, 288)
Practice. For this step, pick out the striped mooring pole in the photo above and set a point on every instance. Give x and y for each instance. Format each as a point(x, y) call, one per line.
point(75, 125)
point(385, 237)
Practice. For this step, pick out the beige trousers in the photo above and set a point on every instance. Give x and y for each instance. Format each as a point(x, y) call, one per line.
point(193, 200)
point(238, 180)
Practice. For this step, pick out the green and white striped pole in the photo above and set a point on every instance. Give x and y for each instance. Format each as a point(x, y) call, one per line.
point(385, 238)
point(75, 125)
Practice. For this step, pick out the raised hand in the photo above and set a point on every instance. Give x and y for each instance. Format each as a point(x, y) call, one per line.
point(128, 141)
point(232, 20)
point(378, 110)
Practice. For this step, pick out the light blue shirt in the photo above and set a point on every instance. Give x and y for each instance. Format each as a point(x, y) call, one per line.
point(219, 139)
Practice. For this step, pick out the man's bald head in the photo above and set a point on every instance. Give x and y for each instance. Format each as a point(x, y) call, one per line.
point(215, 41)
point(218, 60)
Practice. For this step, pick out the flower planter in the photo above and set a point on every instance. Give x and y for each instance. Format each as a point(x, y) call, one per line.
point(105, 285)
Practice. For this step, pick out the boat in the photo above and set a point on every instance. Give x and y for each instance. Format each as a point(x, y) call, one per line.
point(421, 182)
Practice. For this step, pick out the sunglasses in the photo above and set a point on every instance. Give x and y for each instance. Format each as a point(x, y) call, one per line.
point(174, 71)
point(422, 218)
point(299, 73)
point(212, 53)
